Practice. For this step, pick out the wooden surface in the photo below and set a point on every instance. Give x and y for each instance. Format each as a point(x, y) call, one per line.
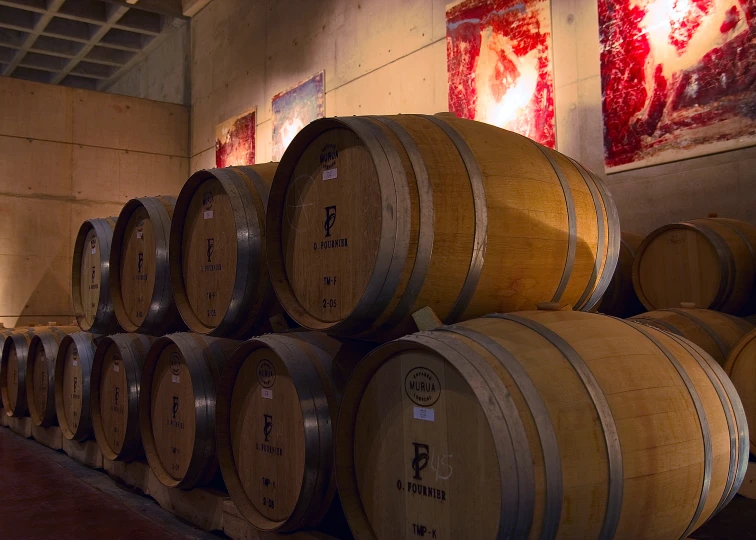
point(40, 378)
point(73, 365)
point(113, 397)
point(140, 276)
point(218, 262)
point(620, 299)
point(710, 262)
point(74, 392)
point(716, 333)
point(277, 402)
point(741, 368)
point(90, 276)
point(89, 279)
point(115, 388)
point(441, 432)
point(10, 383)
point(177, 410)
point(359, 238)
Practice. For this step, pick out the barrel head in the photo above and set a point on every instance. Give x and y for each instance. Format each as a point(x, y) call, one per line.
point(138, 266)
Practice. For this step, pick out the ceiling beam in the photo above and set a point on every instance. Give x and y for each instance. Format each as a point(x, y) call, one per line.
point(172, 8)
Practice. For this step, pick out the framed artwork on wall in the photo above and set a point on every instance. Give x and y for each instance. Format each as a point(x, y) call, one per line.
point(294, 108)
point(678, 79)
point(235, 140)
point(499, 65)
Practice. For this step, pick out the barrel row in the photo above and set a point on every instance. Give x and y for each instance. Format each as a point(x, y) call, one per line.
point(564, 408)
point(363, 222)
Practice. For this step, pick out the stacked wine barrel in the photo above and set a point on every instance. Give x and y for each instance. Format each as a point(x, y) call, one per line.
point(277, 405)
point(116, 377)
point(372, 218)
point(709, 262)
point(219, 268)
point(538, 424)
point(180, 371)
point(140, 284)
point(90, 283)
point(73, 369)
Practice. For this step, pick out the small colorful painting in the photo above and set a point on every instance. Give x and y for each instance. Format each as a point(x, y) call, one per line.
point(235, 140)
point(499, 63)
point(294, 109)
point(678, 78)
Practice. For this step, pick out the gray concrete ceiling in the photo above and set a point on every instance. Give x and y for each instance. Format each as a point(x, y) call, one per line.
point(78, 43)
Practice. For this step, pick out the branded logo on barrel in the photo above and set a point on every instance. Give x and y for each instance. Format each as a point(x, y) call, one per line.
point(207, 200)
point(175, 406)
point(94, 273)
point(268, 427)
point(330, 219)
point(328, 155)
point(266, 374)
point(210, 249)
point(422, 386)
point(175, 363)
point(140, 262)
point(420, 461)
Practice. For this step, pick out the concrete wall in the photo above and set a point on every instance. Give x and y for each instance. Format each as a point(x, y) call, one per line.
point(164, 74)
point(68, 155)
point(389, 56)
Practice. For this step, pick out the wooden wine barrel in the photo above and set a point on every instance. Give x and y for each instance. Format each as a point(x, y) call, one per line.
point(73, 368)
point(371, 218)
point(620, 299)
point(13, 370)
point(177, 407)
point(90, 277)
point(40, 377)
point(716, 333)
point(116, 383)
point(219, 269)
point(741, 368)
point(540, 425)
point(709, 262)
point(277, 404)
point(140, 283)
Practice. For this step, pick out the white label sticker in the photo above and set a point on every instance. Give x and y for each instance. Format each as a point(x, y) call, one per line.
point(75, 363)
point(267, 393)
point(94, 250)
point(208, 214)
point(330, 174)
point(139, 234)
point(421, 413)
point(175, 378)
point(116, 368)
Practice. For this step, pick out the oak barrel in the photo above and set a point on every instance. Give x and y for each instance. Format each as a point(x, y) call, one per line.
point(620, 299)
point(73, 369)
point(219, 269)
point(90, 277)
point(40, 377)
point(177, 407)
point(116, 383)
point(716, 333)
point(140, 283)
point(538, 425)
point(710, 262)
point(13, 367)
point(277, 404)
point(371, 218)
point(741, 368)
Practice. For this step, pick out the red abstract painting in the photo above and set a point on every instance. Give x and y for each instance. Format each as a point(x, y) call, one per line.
point(499, 62)
point(235, 140)
point(678, 78)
